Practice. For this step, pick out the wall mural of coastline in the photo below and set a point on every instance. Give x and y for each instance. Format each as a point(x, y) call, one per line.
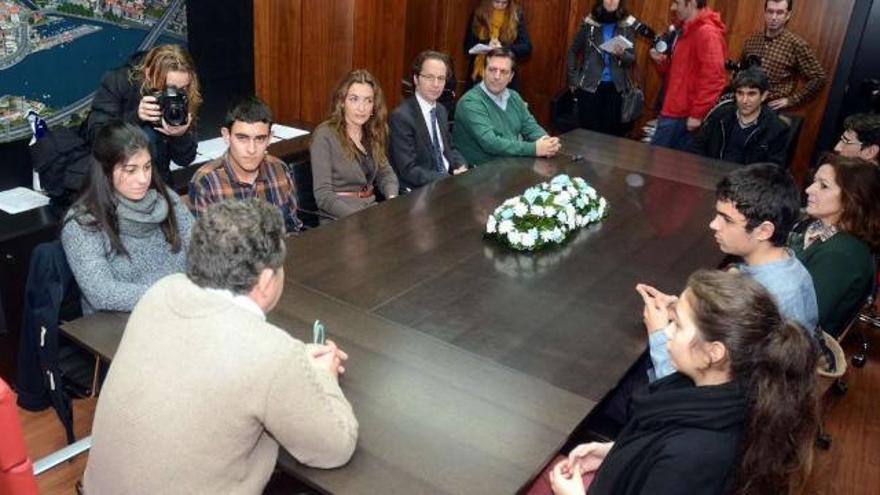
point(54, 52)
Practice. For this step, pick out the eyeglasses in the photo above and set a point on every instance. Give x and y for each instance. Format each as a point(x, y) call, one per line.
point(433, 79)
point(847, 141)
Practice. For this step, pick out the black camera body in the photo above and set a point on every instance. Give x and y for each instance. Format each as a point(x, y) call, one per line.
point(174, 105)
point(750, 61)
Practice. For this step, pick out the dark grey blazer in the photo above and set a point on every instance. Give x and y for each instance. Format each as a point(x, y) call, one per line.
point(333, 171)
point(410, 149)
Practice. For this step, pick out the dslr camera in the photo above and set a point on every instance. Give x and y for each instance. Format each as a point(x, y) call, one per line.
point(174, 105)
point(745, 64)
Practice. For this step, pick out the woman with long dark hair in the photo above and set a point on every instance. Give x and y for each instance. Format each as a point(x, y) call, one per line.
point(127, 230)
point(739, 417)
point(596, 76)
point(348, 150)
point(498, 24)
point(837, 240)
point(131, 93)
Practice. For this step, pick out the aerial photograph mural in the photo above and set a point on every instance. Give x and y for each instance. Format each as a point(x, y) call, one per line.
point(54, 52)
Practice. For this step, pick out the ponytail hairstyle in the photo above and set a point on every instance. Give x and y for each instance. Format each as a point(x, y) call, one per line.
point(95, 209)
point(483, 14)
point(775, 361)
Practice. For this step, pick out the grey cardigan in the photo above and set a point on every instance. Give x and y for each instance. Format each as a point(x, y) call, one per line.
point(333, 171)
point(586, 73)
point(116, 282)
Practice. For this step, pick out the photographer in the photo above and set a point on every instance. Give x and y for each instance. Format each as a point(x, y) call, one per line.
point(159, 92)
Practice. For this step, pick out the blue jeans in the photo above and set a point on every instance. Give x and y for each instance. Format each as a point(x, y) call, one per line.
point(672, 133)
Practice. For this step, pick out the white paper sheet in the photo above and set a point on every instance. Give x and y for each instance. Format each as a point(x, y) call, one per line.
point(616, 41)
point(210, 149)
point(21, 199)
point(479, 49)
point(280, 132)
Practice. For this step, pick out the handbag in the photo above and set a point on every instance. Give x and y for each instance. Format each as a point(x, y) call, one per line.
point(632, 102)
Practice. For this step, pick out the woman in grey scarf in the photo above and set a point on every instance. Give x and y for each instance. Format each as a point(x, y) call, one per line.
point(127, 229)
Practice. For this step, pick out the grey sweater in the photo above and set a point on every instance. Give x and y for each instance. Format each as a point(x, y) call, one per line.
point(116, 282)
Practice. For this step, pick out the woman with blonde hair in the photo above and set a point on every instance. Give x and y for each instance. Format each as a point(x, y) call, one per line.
point(348, 150)
point(134, 93)
point(496, 23)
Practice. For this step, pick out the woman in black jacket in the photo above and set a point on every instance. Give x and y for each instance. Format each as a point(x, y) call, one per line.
point(739, 417)
point(598, 77)
point(130, 94)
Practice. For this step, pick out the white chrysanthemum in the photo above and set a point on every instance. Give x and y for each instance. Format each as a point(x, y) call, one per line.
point(527, 239)
point(505, 226)
point(491, 225)
point(520, 210)
point(590, 192)
point(514, 238)
point(536, 210)
point(562, 199)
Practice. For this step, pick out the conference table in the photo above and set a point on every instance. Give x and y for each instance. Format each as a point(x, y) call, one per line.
point(470, 364)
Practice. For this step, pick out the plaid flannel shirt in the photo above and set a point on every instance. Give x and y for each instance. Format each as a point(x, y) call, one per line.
point(216, 181)
point(783, 58)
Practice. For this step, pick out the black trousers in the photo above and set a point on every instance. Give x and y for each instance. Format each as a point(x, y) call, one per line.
point(600, 111)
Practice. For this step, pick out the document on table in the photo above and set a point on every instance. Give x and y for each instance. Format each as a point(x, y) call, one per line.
point(21, 199)
point(211, 149)
point(479, 49)
point(618, 41)
point(280, 132)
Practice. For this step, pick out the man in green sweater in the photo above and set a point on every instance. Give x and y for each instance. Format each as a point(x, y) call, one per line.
point(492, 120)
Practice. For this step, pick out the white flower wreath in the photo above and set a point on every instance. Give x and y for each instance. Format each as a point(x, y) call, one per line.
point(546, 213)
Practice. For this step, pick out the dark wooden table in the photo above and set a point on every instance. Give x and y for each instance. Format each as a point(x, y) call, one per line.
point(470, 365)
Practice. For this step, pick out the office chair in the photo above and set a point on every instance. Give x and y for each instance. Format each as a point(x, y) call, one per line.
point(795, 123)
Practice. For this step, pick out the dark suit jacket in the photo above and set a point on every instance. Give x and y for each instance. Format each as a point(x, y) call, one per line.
point(411, 150)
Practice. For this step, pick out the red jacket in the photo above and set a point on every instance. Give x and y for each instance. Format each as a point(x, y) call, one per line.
point(695, 75)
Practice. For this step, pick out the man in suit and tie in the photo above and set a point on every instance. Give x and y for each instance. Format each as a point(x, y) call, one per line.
point(421, 148)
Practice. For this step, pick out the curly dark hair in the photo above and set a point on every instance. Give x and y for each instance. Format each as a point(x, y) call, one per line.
point(233, 242)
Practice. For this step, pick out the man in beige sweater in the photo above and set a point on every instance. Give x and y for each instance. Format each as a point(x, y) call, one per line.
point(202, 389)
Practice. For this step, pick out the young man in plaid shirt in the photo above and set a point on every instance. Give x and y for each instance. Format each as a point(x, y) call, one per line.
point(246, 170)
point(785, 57)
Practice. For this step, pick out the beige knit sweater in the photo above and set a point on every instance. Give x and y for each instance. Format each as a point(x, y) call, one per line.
point(200, 394)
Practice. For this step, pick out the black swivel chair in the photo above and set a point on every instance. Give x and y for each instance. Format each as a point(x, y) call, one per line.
point(795, 124)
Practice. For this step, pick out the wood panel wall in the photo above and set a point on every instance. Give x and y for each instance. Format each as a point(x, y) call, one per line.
point(303, 47)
